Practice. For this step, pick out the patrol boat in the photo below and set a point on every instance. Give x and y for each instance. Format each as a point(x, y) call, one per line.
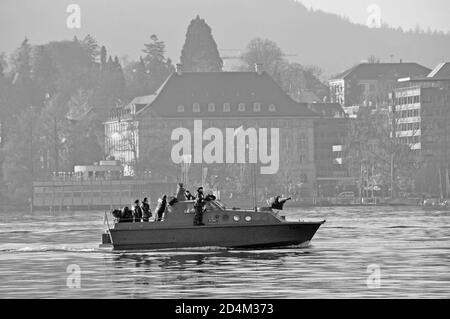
point(226, 228)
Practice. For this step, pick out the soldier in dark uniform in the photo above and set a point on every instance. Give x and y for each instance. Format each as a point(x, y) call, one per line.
point(278, 203)
point(127, 215)
point(161, 208)
point(198, 205)
point(137, 213)
point(189, 196)
point(146, 212)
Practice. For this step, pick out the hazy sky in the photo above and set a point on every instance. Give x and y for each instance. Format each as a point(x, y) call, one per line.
point(123, 25)
point(404, 13)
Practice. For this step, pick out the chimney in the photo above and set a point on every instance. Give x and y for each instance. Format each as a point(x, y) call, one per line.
point(259, 68)
point(179, 69)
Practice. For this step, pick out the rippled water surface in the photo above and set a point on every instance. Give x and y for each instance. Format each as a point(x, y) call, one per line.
point(411, 247)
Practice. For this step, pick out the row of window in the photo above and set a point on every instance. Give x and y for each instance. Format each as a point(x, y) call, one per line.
point(407, 100)
point(337, 89)
point(410, 140)
point(242, 107)
point(408, 113)
point(409, 127)
point(119, 113)
point(442, 112)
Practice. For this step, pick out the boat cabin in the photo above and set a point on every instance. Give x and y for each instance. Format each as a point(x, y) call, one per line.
point(182, 214)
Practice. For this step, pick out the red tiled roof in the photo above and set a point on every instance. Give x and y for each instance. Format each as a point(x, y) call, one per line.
point(218, 88)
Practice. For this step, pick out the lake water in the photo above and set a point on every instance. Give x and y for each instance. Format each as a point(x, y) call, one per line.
point(375, 252)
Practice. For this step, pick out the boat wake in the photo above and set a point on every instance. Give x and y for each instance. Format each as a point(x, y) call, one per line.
point(45, 249)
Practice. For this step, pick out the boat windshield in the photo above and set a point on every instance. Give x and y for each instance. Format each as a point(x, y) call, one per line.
point(218, 204)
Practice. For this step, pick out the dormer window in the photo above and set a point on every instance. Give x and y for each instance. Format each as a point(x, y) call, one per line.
point(272, 108)
point(226, 107)
point(196, 108)
point(241, 107)
point(211, 107)
point(180, 108)
point(257, 107)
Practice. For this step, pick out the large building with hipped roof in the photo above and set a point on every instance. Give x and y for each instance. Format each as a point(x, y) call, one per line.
point(141, 134)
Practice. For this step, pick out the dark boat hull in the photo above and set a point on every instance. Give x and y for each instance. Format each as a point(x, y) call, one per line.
point(249, 236)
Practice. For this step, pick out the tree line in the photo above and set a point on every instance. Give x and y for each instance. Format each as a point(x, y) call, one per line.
point(53, 100)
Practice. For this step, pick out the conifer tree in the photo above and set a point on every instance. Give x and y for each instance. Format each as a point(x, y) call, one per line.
point(91, 46)
point(156, 66)
point(22, 85)
point(103, 55)
point(200, 53)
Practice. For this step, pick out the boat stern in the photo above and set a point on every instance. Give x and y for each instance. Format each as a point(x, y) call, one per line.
point(106, 240)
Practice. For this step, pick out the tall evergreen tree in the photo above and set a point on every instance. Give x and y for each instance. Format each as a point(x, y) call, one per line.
point(103, 55)
point(157, 66)
point(22, 90)
point(21, 60)
point(119, 80)
point(154, 50)
point(200, 53)
point(91, 46)
point(110, 63)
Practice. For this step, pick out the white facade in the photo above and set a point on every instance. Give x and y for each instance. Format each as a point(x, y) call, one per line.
point(408, 118)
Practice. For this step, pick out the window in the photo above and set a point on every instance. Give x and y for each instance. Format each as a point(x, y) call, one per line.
point(272, 108)
point(257, 107)
point(226, 107)
point(236, 218)
point(196, 108)
point(180, 108)
point(211, 107)
point(241, 107)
